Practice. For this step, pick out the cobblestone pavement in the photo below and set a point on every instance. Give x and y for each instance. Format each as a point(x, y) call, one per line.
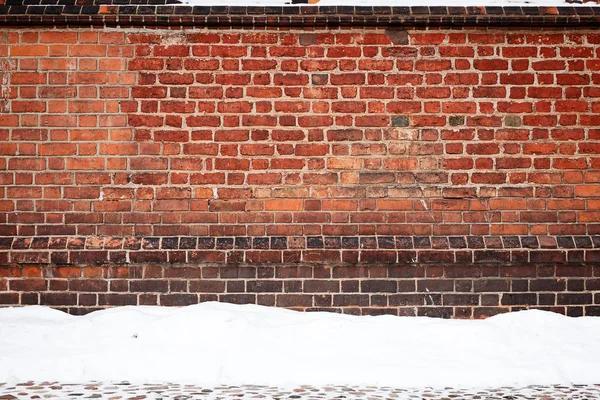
point(124, 390)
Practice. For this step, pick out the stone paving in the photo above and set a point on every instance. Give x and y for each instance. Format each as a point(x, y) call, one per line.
point(124, 390)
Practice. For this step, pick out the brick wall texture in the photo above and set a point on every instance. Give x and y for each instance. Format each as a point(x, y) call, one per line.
point(451, 173)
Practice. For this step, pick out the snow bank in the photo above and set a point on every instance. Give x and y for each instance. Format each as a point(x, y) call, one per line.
point(216, 343)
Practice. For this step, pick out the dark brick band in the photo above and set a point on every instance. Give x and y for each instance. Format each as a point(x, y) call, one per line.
point(165, 13)
point(471, 291)
point(301, 250)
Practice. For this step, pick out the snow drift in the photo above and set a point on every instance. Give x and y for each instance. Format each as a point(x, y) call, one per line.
point(216, 343)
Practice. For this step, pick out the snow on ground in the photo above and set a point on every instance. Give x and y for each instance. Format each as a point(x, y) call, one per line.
point(216, 343)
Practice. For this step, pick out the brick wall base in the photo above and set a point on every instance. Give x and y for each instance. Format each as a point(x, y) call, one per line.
point(473, 291)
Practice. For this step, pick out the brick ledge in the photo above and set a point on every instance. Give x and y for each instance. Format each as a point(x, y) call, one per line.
point(157, 13)
point(301, 250)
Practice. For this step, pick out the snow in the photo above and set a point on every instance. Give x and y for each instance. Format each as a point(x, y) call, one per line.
point(218, 343)
point(390, 3)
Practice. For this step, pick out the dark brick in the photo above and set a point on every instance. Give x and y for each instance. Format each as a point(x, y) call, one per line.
point(386, 242)
point(5, 242)
point(148, 257)
point(546, 299)
point(565, 242)
point(21, 243)
point(28, 285)
point(548, 256)
point(236, 287)
point(379, 311)
point(224, 243)
point(264, 286)
point(319, 79)
point(369, 242)
point(350, 300)
point(573, 270)
point(436, 256)
point(530, 242)
point(378, 286)
point(132, 243)
point(322, 286)
point(243, 272)
point(511, 242)
point(350, 286)
point(178, 286)
point(350, 243)
point(463, 285)
point(378, 256)
point(207, 286)
point(294, 300)
point(151, 243)
point(492, 256)
point(574, 298)
point(206, 243)
point(10, 298)
point(422, 242)
point(575, 285)
point(485, 312)
point(279, 242)
point(178, 299)
point(575, 311)
point(406, 271)
point(435, 312)
point(439, 242)
point(547, 285)
point(592, 311)
point(490, 299)
point(456, 120)
point(583, 242)
point(30, 298)
point(400, 121)
point(149, 286)
point(519, 285)
point(261, 243)
point(592, 284)
point(406, 285)
point(243, 242)
point(510, 299)
point(40, 243)
point(450, 299)
point(435, 285)
point(170, 243)
point(457, 271)
point(117, 299)
point(119, 286)
point(407, 299)
point(88, 299)
point(475, 242)
point(88, 285)
point(88, 257)
point(404, 242)
point(491, 285)
point(292, 286)
point(58, 299)
point(457, 242)
point(186, 243)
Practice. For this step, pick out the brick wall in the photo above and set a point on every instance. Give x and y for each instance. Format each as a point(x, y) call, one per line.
point(443, 172)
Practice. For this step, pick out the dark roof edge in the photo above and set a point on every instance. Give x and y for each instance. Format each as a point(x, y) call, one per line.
point(150, 13)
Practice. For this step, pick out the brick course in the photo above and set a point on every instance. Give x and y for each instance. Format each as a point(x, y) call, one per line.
point(444, 172)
